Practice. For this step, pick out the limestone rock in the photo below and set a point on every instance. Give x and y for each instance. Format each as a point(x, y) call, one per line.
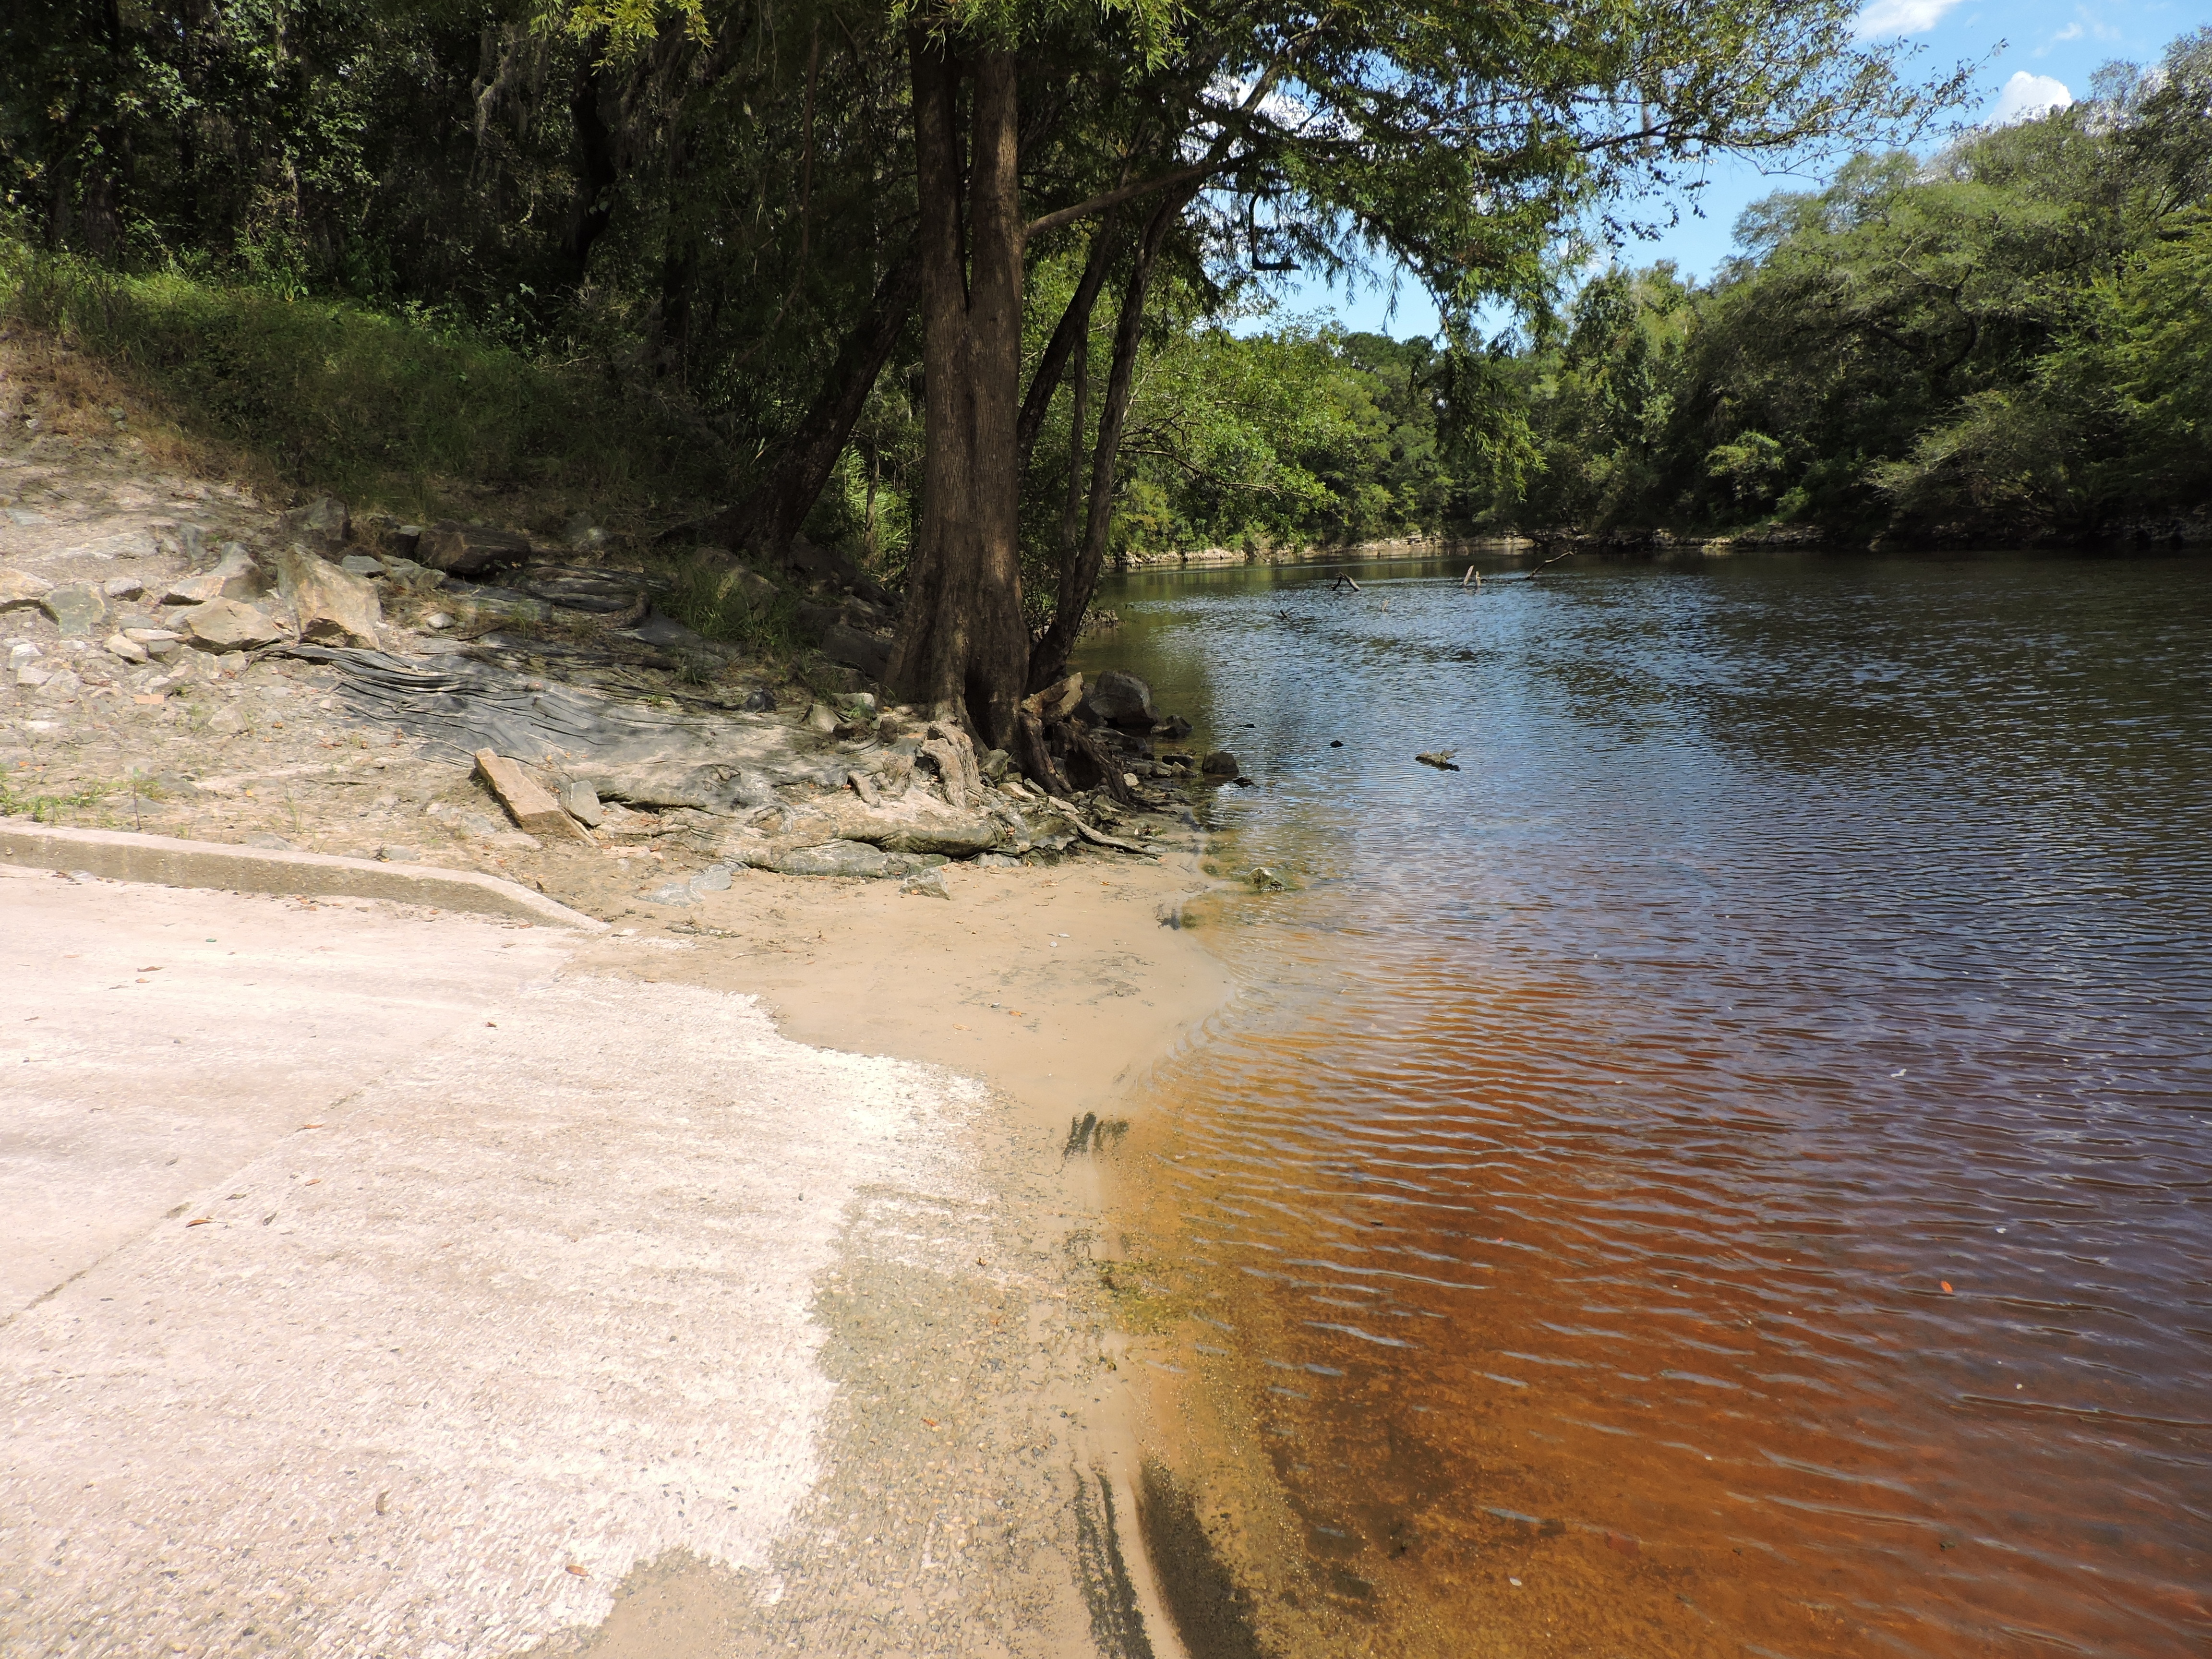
point(235, 576)
point(581, 802)
point(18, 590)
point(224, 625)
point(748, 591)
point(333, 605)
point(531, 807)
point(927, 883)
point(463, 550)
point(416, 578)
point(78, 609)
point(834, 858)
point(713, 788)
point(854, 649)
point(123, 587)
point(128, 649)
point(323, 522)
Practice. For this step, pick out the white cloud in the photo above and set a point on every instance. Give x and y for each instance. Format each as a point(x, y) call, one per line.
point(2072, 32)
point(2024, 97)
point(1885, 18)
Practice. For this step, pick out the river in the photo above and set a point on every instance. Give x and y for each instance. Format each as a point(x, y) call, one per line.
point(1728, 1168)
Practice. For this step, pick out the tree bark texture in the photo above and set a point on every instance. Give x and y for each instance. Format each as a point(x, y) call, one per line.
point(1082, 561)
point(963, 641)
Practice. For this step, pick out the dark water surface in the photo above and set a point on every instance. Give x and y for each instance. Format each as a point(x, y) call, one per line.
point(1736, 1157)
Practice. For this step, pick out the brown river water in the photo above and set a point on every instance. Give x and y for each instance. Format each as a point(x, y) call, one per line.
point(1728, 1170)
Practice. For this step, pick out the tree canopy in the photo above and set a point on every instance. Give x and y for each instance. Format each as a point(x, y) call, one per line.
point(951, 279)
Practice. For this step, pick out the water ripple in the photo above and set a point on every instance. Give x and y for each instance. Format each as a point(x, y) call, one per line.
point(1792, 1020)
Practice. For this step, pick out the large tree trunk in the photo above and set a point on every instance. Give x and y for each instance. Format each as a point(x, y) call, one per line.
point(597, 162)
point(1081, 561)
point(963, 641)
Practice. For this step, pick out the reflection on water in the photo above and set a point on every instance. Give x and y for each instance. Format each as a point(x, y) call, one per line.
point(1736, 1157)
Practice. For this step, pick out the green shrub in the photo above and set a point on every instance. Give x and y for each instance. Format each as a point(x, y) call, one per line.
point(402, 410)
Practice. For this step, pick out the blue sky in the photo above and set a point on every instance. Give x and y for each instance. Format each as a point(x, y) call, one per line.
point(2039, 51)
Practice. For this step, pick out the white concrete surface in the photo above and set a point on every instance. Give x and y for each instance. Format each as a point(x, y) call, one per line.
point(530, 1307)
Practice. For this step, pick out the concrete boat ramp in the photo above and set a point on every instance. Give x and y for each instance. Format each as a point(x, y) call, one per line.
point(389, 1282)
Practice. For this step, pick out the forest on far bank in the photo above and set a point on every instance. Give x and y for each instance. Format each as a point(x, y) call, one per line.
point(446, 257)
point(2011, 339)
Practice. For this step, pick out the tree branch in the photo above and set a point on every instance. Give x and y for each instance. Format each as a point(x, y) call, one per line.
point(1114, 198)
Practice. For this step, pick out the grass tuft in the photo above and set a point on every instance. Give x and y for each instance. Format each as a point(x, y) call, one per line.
point(58, 808)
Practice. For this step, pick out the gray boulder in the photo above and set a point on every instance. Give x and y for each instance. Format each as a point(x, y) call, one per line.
point(1119, 698)
point(78, 609)
point(1220, 764)
point(955, 836)
point(854, 649)
point(753, 592)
